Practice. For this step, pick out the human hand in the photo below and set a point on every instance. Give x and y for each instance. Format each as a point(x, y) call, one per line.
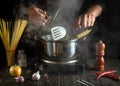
point(37, 16)
point(85, 20)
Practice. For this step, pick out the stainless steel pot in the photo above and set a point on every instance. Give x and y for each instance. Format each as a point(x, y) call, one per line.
point(60, 49)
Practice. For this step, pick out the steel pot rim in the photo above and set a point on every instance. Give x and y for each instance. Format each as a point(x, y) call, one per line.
point(48, 38)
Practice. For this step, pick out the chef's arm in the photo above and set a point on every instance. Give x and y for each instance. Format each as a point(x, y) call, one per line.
point(94, 10)
point(87, 18)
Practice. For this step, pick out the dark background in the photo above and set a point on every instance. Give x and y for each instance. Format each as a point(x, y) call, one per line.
point(108, 27)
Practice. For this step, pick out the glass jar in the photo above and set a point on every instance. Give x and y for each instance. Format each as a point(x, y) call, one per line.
point(21, 58)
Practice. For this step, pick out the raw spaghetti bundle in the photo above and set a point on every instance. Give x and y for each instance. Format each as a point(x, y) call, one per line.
point(10, 33)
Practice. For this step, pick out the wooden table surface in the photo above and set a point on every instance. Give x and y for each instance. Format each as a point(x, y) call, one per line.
point(62, 75)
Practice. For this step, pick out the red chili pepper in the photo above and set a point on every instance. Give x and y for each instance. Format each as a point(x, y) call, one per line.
point(104, 73)
point(110, 75)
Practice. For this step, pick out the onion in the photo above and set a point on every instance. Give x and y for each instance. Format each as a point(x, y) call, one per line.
point(19, 79)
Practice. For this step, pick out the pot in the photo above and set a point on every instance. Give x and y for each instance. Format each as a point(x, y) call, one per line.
point(59, 49)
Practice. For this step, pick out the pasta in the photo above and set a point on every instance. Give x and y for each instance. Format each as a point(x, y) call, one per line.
point(11, 32)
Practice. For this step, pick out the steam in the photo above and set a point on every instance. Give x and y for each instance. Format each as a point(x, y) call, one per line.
point(68, 13)
point(66, 17)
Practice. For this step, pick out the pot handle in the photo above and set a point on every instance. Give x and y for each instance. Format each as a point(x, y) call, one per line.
point(37, 38)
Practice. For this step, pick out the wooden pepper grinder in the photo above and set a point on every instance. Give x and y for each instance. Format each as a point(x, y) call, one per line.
point(100, 51)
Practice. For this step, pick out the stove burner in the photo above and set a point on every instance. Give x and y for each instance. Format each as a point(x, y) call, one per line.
point(60, 61)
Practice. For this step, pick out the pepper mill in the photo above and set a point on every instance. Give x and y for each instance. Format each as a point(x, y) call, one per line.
point(100, 49)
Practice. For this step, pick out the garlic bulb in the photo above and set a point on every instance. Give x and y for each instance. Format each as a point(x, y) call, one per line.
point(36, 76)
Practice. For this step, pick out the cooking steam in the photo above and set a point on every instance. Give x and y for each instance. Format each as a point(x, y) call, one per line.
point(63, 13)
point(68, 12)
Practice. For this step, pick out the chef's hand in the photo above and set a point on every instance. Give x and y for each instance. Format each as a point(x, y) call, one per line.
point(85, 20)
point(37, 16)
point(88, 18)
